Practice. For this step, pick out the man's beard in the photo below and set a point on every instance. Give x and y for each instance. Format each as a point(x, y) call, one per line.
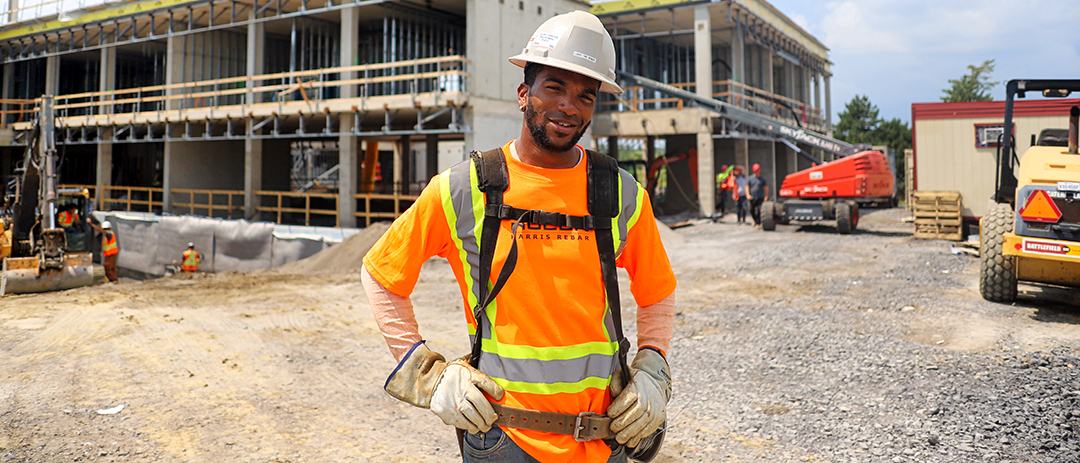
point(540, 136)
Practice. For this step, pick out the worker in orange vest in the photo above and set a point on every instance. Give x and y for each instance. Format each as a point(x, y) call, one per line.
point(109, 249)
point(67, 217)
point(191, 259)
point(547, 379)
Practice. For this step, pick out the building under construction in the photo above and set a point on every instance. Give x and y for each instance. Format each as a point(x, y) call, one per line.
point(337, 112)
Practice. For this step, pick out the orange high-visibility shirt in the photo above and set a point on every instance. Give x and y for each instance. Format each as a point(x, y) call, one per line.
point(553, 300)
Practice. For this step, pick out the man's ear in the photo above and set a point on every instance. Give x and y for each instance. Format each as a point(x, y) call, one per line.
point(522, 94)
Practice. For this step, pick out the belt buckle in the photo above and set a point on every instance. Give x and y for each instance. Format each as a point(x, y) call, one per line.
point(578, 427)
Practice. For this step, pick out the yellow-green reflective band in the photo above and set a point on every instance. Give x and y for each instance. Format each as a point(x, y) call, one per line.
point(554, 388)
point(551, 353)
point(451, 222)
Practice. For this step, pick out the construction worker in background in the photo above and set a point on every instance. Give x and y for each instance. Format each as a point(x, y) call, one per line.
point(109, 249)
point(739, 193)
point(191, 259)
point(723, 187)
point(546, 351)
point(68, 217)
point(758, 191)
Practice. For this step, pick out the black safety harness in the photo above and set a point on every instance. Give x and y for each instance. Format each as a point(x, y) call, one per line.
point(601, 190)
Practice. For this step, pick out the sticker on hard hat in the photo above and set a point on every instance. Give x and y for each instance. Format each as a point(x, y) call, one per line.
point(545, 40)
point(584, 56)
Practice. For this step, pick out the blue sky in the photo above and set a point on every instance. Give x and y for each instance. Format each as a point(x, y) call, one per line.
point(902, 52)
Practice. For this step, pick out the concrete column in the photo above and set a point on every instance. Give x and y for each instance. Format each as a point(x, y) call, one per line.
point(52, 74)
point(432, 142)
point(767, 83)
point(742, 154)
point(706, 175)
point(703, 52)
point(405, 151)
point(174, 69)
point(770, 174)
point(8, 84)
point(103, 177)
point(613, 147)
point(14, 4)
point(107, 77)
point(350, 54)
point(256, 45)
point(817, 91)
point(805, 85)
point(348, 147)
point(828, 108)
point(106, 82)
point(738, 56)
point(253, 169)
point(793, 165)
point(166, 176)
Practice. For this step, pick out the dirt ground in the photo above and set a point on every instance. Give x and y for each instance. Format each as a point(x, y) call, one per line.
point(277, 367)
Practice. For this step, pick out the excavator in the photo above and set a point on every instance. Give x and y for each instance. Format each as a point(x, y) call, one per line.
point(40, 253)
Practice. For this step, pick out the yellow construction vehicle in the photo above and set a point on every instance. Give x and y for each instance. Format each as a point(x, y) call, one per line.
point(1032, 232)
point(45, 238)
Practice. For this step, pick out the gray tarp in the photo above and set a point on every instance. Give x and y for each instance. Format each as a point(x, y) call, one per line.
point(149, 243)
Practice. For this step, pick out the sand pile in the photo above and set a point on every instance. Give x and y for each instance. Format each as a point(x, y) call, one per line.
point(670, 237)
point(346, 256)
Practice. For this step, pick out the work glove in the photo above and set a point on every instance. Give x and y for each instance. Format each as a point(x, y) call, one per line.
point(452, 390)
point(639, 408)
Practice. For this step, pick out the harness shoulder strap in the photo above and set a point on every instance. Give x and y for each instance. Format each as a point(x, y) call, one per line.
point(603, 194)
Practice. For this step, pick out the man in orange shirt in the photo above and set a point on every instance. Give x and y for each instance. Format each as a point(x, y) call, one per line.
point(547, 348)
point(191, 259)
point(109, 249)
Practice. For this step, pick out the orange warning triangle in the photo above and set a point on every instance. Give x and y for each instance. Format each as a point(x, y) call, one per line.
point(1040, 208)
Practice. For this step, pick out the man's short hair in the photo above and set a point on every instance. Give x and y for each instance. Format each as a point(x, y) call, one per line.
point(531, 71)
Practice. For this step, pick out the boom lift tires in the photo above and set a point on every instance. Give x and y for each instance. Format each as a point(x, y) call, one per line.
point(768, 217)
point(847, 217)
point(997, 272)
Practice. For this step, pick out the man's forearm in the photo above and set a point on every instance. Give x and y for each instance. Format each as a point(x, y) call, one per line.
point(656, 323)
point(394, 315)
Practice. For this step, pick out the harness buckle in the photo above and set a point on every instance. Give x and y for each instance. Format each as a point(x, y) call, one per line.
point(578, 427)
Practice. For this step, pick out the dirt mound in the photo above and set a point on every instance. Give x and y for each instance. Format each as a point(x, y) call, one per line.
point(669, 237)
point(343, 257)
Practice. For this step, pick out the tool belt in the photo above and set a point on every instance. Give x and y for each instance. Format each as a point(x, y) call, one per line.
point(585, 426)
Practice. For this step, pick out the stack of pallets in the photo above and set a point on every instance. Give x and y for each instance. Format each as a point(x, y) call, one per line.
point(938, 215)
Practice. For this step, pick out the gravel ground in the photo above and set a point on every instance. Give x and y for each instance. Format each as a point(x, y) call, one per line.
point(797, 345)
point(805, 345)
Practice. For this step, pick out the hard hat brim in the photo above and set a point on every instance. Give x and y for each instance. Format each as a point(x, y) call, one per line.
point(606, 84)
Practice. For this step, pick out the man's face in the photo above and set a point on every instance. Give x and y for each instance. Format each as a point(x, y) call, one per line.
point(558, 107)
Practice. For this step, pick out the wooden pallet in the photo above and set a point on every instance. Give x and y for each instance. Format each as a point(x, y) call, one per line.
point(938, 215)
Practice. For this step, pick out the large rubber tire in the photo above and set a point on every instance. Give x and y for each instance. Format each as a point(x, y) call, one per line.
point(843, 217)
point(854, 215)
point(768, 216)
point(997, 272)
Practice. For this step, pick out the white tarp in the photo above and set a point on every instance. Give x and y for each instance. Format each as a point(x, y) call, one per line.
point(149, 243)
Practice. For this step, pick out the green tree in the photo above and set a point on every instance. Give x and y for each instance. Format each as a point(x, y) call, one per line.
point(973, 86)
point(860, 124)
point(858, 121)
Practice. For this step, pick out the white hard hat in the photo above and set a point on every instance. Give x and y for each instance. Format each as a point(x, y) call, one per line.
point(106, 225)
point(577, 42)
point(191, 245)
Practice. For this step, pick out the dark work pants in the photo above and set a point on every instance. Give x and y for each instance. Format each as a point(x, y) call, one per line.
point(740, 208)
point(109, 262)
point(755, 210)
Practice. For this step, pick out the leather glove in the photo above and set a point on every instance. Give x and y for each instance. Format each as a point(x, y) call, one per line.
point(452, 390)
point(639, 409)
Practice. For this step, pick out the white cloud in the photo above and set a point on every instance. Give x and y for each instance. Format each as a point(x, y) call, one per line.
point(898, 53)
